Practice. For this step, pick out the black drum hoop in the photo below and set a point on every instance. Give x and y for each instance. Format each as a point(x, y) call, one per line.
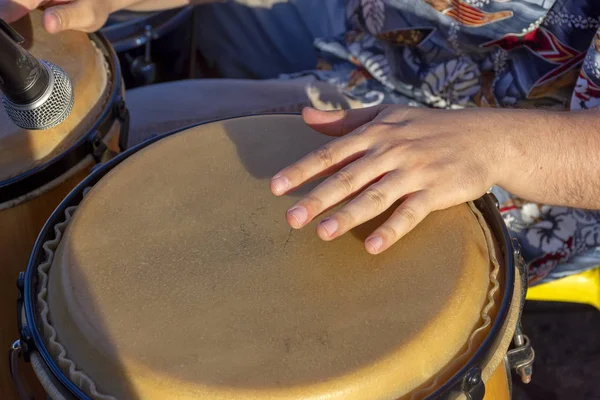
point(32, 341)
point(88, 144)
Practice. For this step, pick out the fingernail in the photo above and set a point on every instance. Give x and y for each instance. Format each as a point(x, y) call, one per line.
point(374, 243)
point(53, 22)
point(330, 226)
point(280, 184)
point(299, 214)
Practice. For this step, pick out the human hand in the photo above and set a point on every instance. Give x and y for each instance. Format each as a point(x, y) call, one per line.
point(61, 15)
point(428, 159)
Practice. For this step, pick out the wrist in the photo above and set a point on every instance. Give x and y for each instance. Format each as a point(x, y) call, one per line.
point(521, 137)
point(529, 138)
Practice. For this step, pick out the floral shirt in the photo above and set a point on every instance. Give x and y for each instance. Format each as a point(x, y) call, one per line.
point(480, 53)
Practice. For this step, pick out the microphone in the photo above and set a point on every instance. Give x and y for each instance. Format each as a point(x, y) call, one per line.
point(36, 94)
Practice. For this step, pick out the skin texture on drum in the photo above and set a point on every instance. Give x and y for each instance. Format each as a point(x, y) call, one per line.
point(21, 150)
point(185, 281)
point(22, 219)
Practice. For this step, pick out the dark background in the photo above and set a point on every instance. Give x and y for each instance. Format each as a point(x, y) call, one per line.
point(566, 341)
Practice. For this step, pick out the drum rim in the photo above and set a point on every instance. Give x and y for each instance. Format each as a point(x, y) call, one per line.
point(30, 180)
point(34, 342)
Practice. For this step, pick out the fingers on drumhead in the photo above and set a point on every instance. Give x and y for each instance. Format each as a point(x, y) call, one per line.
point(405, 218)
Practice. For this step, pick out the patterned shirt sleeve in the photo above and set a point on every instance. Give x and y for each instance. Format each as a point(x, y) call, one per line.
point(587, 89)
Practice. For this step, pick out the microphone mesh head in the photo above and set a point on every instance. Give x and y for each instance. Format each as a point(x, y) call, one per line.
point(51, 109)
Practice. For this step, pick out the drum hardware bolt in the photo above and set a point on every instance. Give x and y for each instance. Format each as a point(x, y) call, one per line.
point(521, 357)
point(25, 340)
point(516, 246)
point(23, 330)
point(14, 354)
point(98, 146)
point(120, 107)
point(122, 113)
point(21, 282)
point(472, 385)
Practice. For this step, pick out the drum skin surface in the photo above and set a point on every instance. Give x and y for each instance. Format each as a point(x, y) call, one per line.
point(21, 150)
point(178, 277)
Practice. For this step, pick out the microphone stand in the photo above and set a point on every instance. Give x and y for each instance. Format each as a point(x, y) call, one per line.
point(23, 79)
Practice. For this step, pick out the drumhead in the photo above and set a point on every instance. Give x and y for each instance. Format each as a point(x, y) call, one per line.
point(177, 277)
point(23, 150)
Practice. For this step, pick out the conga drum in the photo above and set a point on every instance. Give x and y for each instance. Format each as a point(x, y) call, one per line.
point(38, 168)
point(185, 282)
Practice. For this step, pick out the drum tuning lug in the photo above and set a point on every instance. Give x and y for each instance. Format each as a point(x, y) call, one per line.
point(21, 282)
point(13, 359)
point(122, 113)
point(24, 342)
point(472, 386)
point(521, 357)
point(25, 334)
point(519, 262)
point(98, 146)
point(516, 246)
point(121, 107)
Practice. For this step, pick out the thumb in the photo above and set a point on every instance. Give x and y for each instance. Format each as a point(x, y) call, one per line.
point(339, 122)
point(87, 16)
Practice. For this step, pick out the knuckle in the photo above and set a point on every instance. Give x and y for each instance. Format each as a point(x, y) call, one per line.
point(377, 197)
point(345, 216)
point(346, 180)
point(314, 203)
point(324, 156)
point(389, 232)
point(64, 18)
point(408, 214)
point(294, 172)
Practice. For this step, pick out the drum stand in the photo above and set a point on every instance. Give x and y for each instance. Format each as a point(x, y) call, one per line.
point(143, 68)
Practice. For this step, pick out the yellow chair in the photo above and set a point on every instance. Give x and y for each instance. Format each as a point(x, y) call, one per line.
point(581, 288)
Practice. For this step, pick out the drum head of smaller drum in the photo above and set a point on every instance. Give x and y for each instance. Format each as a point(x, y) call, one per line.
point(22, 150)
point(178, 277)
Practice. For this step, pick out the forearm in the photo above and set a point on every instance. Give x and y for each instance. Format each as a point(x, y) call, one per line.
point(553, 157)
point(154, 5)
